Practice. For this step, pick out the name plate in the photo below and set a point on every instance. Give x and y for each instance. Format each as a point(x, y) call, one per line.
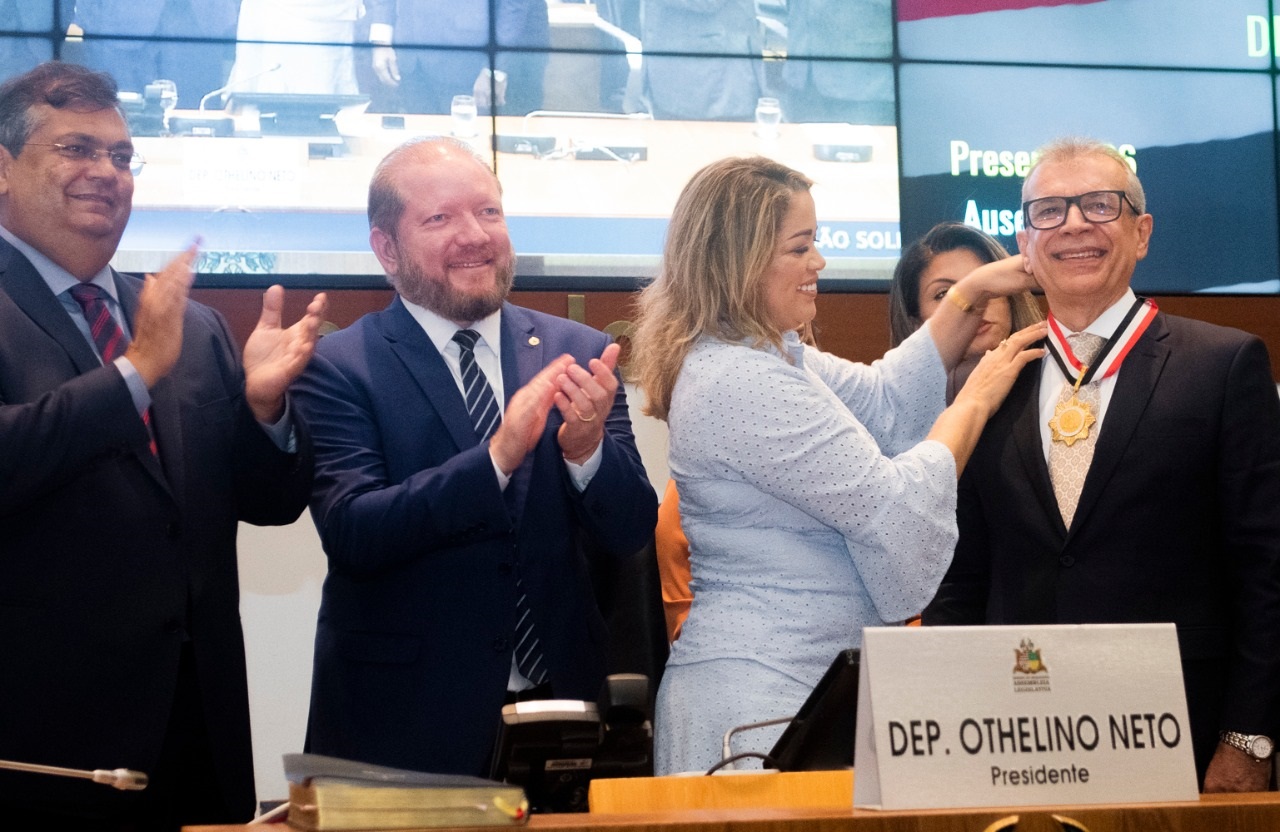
point(263, 172)
point(952, 717)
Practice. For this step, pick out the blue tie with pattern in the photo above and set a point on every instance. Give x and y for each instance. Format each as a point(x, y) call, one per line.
point(481, 403)
point(483, 407)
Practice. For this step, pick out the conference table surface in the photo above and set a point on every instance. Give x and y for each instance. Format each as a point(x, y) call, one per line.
point(1217, 812)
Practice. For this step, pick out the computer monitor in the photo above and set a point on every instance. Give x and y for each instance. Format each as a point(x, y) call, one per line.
point(820, 735)
point(294, 114)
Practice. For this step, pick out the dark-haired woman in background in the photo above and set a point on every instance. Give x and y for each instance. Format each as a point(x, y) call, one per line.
point(932, 265)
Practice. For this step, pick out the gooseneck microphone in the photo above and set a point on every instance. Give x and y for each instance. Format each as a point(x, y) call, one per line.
point(232, 86)
point(120, 778)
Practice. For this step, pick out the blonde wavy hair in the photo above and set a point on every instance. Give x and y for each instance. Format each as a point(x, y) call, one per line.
point(719, 245)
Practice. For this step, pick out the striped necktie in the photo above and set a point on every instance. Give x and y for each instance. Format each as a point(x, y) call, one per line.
point(483, 407)
point(481, 403)
point(108, 337)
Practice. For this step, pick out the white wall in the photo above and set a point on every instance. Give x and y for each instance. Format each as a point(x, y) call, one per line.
point(281, 572)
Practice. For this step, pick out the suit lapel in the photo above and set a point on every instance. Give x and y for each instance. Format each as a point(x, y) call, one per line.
point(166, 420)
point(1135, 383)
point(522, 351)
point(24, 285)
point(1024, 404)
point(428, 368)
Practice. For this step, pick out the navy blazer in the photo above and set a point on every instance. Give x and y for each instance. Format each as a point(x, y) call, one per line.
point(688, 84)
point(1179, 520)
point(140, 18)
point(110, 559)
point(413, 647)
point(517, 24)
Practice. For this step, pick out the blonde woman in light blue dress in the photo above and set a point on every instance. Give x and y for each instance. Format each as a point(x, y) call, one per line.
point(818, 495)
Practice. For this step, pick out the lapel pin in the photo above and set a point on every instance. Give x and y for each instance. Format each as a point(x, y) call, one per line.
point(534, 340)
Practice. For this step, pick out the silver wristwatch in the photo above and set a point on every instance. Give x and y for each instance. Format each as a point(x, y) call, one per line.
point(1257, 746)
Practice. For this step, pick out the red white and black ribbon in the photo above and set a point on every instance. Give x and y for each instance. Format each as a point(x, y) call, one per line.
point(1113, 353)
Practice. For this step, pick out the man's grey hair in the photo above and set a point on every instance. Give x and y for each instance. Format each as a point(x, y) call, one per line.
point(1070, 148)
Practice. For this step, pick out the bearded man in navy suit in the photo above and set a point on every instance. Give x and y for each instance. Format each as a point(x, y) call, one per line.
point(433, 528)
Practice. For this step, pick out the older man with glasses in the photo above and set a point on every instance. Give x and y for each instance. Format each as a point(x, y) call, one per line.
point(1132, 475)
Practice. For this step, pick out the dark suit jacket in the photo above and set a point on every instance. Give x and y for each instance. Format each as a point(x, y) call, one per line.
point(518, 24)
point(196, 68)
point(1179, 520)
point(413, 647)
point(141, 18)
point(837, 28)
point(17, 55)
point(110, 559)
point(699, 88)
point(842, 91)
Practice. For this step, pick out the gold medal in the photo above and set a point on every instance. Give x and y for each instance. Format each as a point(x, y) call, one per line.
point(1071, 421)
point(1072, 418)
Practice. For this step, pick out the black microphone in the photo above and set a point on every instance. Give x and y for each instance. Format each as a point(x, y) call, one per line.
point(277, 66)
point(120, 778)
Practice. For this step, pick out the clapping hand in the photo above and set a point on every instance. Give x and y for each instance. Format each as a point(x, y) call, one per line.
point(274, 356)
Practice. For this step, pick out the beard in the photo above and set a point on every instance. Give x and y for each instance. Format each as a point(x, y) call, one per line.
point(446, 300)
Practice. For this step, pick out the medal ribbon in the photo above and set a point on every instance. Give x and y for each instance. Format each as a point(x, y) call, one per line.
point(1108, 362)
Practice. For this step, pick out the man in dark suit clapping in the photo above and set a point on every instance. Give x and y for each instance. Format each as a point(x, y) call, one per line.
point(133, 440)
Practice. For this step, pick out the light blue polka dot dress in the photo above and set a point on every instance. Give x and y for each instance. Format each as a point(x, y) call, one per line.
point(813, 508)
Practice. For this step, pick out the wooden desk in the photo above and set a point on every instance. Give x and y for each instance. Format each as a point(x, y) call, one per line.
point(1212, 813)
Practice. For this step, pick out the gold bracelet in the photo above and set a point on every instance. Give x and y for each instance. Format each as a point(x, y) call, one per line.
point(956, 298)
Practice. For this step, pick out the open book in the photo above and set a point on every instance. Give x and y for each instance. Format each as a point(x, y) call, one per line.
point(327, 793)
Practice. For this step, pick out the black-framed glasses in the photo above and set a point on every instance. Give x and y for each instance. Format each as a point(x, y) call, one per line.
point(121, 160)
point(1096, 206)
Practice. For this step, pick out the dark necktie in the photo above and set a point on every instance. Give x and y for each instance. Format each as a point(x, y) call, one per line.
point(108, 337)
point(485, 416)
point(481, 403)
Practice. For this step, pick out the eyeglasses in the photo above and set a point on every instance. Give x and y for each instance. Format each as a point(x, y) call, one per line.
point(1096, 206)
point(121, 160)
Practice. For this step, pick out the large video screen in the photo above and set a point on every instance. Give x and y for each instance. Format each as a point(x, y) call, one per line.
point(593, 115)
point(1003, 77)
point(1211, 34)
point(261, 121)
point(1209, 180)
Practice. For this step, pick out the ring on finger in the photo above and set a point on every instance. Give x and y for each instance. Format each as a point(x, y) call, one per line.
point(582, 418)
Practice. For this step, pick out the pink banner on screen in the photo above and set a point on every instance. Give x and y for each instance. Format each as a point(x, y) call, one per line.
point(924, 9)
